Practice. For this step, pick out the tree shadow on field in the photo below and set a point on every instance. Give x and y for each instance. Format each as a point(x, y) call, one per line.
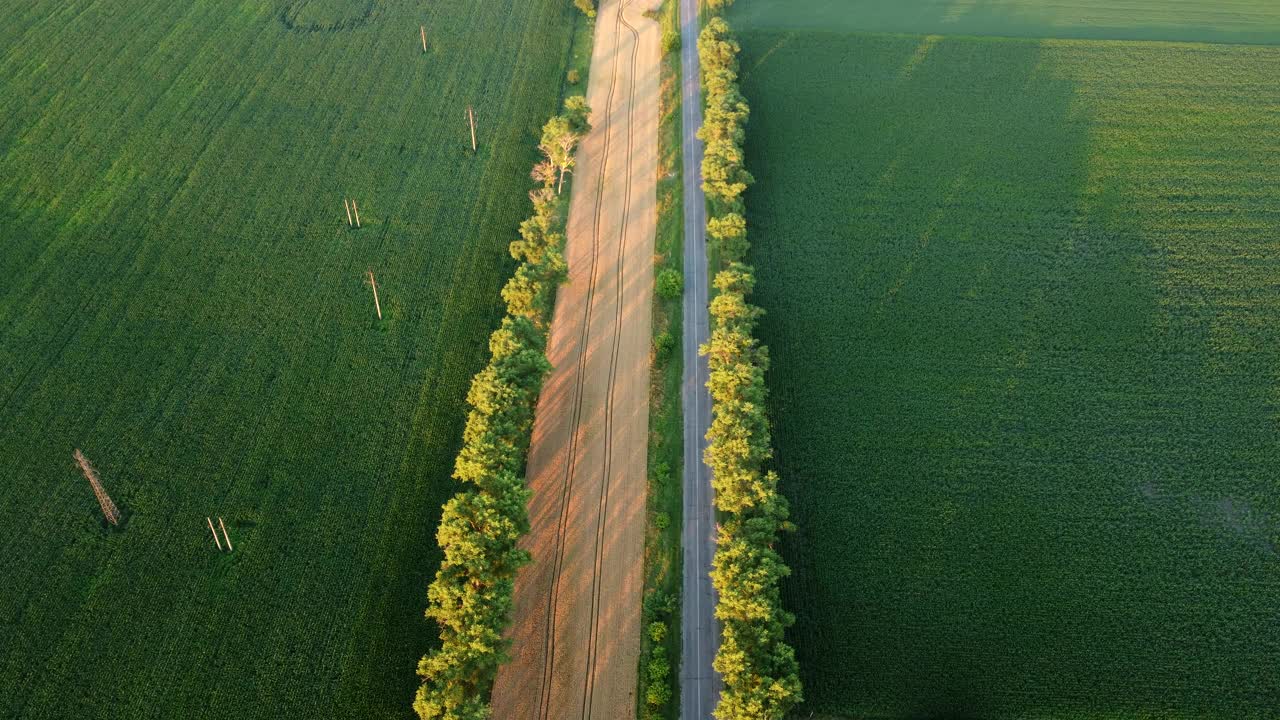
point(946, 280)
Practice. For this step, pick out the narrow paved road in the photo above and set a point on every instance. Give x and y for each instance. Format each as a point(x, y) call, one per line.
point(576, 611)
point(699, 683)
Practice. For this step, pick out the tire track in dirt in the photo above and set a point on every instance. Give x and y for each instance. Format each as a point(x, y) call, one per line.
point(588, 690)
point(566, 492)
point(576, 616)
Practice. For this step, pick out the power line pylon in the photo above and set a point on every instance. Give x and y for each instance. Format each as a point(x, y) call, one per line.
point(108, 508)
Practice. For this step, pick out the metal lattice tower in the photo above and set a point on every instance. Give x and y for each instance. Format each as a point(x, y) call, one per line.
point(108, 508)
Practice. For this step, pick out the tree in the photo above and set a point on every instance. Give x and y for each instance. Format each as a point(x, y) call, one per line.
point(588, 7)
point(717, 48)
point(730, 232)
point(544, 173)
point(560, 138)
point(557, 145)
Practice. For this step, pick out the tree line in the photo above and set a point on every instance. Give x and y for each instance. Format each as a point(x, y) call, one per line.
point(471, 596)
point(759, 668)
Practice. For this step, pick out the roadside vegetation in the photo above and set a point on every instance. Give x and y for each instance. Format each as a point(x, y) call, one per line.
point(471, 596)
point(660, 646)
point(759, 669)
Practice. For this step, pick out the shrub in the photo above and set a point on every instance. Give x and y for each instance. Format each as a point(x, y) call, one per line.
point(662, 347)
point(657, 692)
point(670, 39)
point(660, 472)
point(670, 284)
point(574, 77)
point(662, 521)
point(588, 7)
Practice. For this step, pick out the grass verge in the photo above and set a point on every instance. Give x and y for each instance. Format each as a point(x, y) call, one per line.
point(578, 64)
point(660, 648)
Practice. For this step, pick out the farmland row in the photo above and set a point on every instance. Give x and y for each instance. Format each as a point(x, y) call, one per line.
point(184, 301)
point(1023, 336)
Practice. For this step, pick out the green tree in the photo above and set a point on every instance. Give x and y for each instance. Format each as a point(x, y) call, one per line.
point(730, 233)
point(560, 138)
point(717, 48)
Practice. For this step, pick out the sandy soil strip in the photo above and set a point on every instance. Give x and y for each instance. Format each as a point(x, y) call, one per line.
point(576, 630)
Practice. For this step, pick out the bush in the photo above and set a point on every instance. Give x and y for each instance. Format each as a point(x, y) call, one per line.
point(588, 7)
point(657, 692)
point(660, 472)
point(670, 284)
point(574, 77)
point(662, 521)
point(670, 39)
point(658, 604)
point(662, 347)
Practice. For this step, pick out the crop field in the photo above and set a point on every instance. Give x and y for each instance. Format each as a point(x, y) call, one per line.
point(1228, 21)
point(182, 299)
point(1023, 306)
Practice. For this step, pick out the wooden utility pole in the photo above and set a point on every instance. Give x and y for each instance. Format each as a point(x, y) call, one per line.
point(356, 207)
point(104, 501)
point(424, 38)
point(215, 533)
point(347, 205)
point(374, 284)
point(471, 116)
point(224, 534)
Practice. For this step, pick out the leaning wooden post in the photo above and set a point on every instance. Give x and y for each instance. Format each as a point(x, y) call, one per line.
point(224, 534)
point(347, 205)
point(471, 116)
point(109, 509)
point(424, 38)
point(374, 284)
point(356, 207)
point(215, 533)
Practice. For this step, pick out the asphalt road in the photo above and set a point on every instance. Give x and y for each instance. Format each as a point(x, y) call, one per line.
point(699, 683)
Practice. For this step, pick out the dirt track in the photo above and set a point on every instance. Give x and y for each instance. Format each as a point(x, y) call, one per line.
point(576, 625)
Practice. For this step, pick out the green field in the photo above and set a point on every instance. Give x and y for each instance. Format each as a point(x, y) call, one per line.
point(1023, 305)
point(1230, 21)
point(181, 298)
